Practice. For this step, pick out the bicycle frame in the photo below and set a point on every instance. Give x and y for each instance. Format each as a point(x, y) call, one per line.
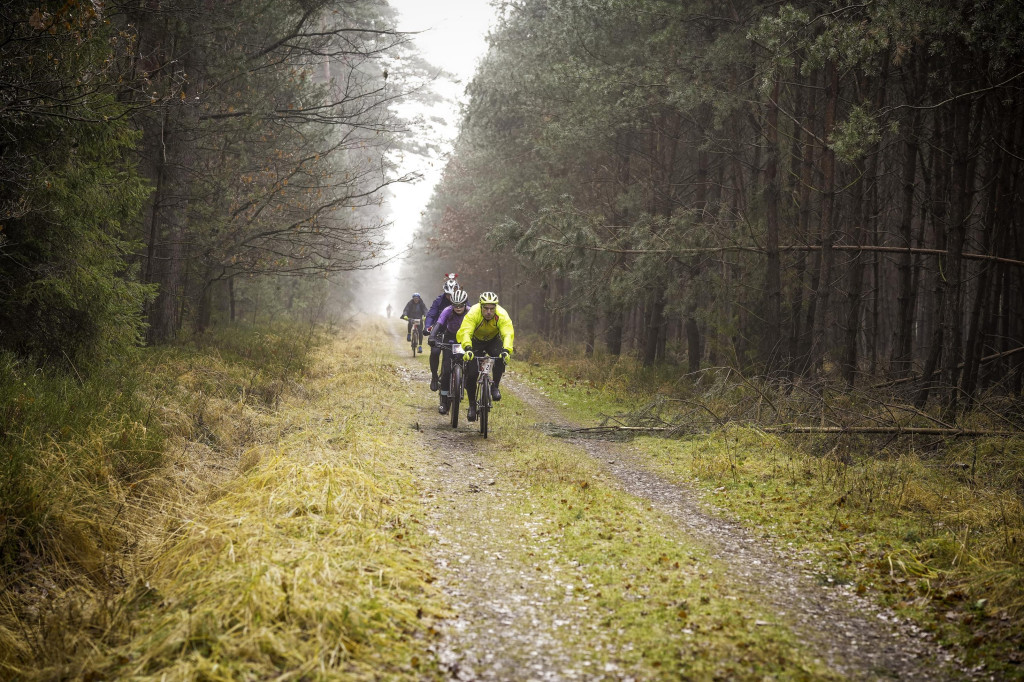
point(417, 334)
point(456, 369)
point(455, 348)
point(485, 363)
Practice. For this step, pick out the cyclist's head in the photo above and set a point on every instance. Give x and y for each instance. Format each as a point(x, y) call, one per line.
point(459, 298)
point(488, 304)
point(450, 286)
point(415, 295)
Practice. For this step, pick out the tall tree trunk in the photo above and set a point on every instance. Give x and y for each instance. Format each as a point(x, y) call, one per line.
point(177, 158)
point(613, 332)
point(692, 344)
point(863, 206)
point(771, 340)
point(903, 350)
point(170, 228)
point(799, 338)
point(654, 322)
point(205, 308)
point(855, 285)
point(828, 172)
point(231, 298)
point(973, 350)
point(964, 142)
point(589, 333)
point(940, 184)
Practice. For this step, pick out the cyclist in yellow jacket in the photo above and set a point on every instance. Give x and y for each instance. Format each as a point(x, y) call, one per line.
point(486, 328)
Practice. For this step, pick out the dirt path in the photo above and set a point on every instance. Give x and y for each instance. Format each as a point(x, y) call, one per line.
point(516, 608)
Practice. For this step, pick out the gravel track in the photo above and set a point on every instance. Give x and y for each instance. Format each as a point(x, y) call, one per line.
point(515, 602)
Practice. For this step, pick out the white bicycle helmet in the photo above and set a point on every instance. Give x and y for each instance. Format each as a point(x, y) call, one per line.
point(489, 297)
point(459, 297)
point(450, 286)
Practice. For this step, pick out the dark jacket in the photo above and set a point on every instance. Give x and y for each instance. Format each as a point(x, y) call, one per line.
point(439, 304)
point(414, 309)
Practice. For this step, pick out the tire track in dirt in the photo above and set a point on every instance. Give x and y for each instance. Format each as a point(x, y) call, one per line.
point(852, 635)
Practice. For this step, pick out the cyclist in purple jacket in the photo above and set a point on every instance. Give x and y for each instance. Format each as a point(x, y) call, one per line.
point(444, 329)
point(440, 303)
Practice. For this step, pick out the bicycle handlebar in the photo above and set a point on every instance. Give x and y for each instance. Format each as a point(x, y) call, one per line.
point(450, 344)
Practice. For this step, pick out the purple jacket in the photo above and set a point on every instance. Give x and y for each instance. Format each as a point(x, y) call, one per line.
point(449, 320)
point(433, 315)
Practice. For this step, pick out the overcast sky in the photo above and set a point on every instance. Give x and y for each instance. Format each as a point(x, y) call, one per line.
point(453, 36)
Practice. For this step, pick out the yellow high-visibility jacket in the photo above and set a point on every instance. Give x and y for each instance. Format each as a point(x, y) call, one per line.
point(474, 326)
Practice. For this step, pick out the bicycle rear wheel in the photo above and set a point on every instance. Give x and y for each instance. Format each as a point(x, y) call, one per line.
point(485, 404)
point(455, 394)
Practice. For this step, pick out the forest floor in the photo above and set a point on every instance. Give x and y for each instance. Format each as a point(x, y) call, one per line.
point(534, 590)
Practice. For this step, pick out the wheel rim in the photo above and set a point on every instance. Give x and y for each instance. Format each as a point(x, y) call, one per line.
point(455, 395)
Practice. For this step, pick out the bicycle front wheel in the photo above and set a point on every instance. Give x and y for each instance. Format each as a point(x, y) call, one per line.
point(485, 405)
point(455, 394)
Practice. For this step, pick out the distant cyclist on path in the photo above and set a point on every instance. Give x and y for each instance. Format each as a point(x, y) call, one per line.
point(487, 328)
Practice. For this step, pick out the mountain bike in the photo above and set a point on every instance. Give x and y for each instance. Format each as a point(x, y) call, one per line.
point(483, 396)
point(456, 387)
point(417, 336)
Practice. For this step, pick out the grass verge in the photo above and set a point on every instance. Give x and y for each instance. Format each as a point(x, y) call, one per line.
point(935, 533)
point(271, 537)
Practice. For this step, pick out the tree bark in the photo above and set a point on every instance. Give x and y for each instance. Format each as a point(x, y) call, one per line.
point(799, 341)
point(824, 290)
point(692, 345)
point(771, 341)
point(903, 349)
point(965, 141)
point(613, 332)
point(940, 184)
point(654, 321)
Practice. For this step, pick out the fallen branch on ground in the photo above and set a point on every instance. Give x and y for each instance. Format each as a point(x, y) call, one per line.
point(890, 430)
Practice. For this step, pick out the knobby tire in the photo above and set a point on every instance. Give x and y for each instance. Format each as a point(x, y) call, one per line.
point(485, 406)
point(455, 394)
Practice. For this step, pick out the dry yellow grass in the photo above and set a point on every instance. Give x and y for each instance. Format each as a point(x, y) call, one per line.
point(281, 541)
point(309, 563)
